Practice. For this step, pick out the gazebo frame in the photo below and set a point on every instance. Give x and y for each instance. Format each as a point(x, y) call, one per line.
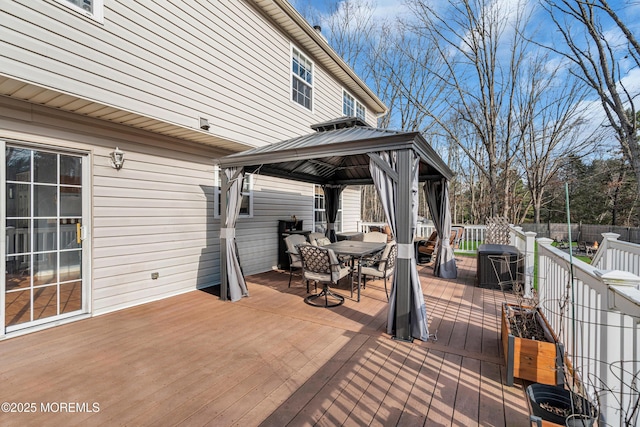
point(347, 152)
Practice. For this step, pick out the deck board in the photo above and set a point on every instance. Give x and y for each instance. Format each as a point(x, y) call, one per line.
point(272, 360)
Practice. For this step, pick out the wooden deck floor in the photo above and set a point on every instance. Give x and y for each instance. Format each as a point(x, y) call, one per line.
point(269, 360)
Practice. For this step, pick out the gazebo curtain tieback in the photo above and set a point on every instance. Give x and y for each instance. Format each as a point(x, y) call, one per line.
point(227, 233)
point(406, 251)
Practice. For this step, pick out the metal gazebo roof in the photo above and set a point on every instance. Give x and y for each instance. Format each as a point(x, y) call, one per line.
point(336, 154)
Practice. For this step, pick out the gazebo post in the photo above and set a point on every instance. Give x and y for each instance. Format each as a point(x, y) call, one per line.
point(404, 237)
point(224, 288)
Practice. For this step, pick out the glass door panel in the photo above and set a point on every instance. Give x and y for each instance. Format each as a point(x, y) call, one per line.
point(43, 278)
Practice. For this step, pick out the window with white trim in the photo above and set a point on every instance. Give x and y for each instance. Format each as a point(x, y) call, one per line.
point(351, 107)
point(320, 213)
point(301, 79)
point(246, 205)
point(91, 8)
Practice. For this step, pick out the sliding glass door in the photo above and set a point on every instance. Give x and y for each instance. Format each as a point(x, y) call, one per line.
point(44, 233)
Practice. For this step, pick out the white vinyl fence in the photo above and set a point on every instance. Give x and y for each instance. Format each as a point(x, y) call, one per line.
point(595, 311)
point(472, 237)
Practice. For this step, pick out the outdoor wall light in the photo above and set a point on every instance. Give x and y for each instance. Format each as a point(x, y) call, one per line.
point(117, 158)
point(204, 124)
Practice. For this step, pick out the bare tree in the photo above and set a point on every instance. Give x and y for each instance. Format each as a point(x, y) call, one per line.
point(598, 62)
point(483, 47)
point(551, 120)
point(349, 27)
point(399, 60)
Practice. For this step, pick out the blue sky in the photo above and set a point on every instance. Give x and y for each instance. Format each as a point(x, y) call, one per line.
point(629, 11)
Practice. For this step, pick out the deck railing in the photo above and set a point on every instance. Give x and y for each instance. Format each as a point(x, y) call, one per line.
point(472, 237)
point(596, 314)
point(614, 254)
point(595, 311)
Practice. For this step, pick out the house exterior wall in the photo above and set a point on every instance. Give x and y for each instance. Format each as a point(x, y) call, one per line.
point(173, 60)
point(351, 197)
point(276, 199)
point(156, 213)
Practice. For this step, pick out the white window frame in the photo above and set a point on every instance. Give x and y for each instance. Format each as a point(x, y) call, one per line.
point(294, 77)
point(87, 297)
point(217, 185)
point(356, 109)
point(98, 9)
point(317, 191)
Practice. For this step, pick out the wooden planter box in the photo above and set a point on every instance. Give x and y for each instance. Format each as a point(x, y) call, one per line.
point(532, 360)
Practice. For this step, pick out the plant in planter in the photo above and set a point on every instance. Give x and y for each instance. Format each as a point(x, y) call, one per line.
point(531, 349)
point(559, 406)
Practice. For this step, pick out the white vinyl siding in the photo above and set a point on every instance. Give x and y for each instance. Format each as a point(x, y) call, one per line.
point(91, 8)
point(351, 208)
point(154, 215)
point(174, 61)
point(276, 199)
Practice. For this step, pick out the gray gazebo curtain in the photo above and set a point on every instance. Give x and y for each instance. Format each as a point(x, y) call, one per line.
point(235, 278)
point(388, 190)
point(437, 195)
point(332, 204)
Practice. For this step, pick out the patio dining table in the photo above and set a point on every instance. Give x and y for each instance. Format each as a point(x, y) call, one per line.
point(355, 250)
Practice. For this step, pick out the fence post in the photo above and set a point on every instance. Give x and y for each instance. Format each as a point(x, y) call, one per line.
point(529, 260)
point(608, 255)
point(613, 350)
point(543, 272)
point(513, 236)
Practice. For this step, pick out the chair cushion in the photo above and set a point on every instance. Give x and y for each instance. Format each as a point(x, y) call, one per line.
point(322, 241)
point(375, 236)
point(375, 272)
point(313, 237)
point(321, 264)
point(385, 254)
point(294, 240)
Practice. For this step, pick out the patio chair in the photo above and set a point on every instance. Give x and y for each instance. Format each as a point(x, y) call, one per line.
point(456, 236)
point(427, 247)
point(312, 237)
point(318, 239)
point(582, 248)
point(508, 269)
point(375, 236)
point(383, 267)
point(294, 257)
point(321, 265)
